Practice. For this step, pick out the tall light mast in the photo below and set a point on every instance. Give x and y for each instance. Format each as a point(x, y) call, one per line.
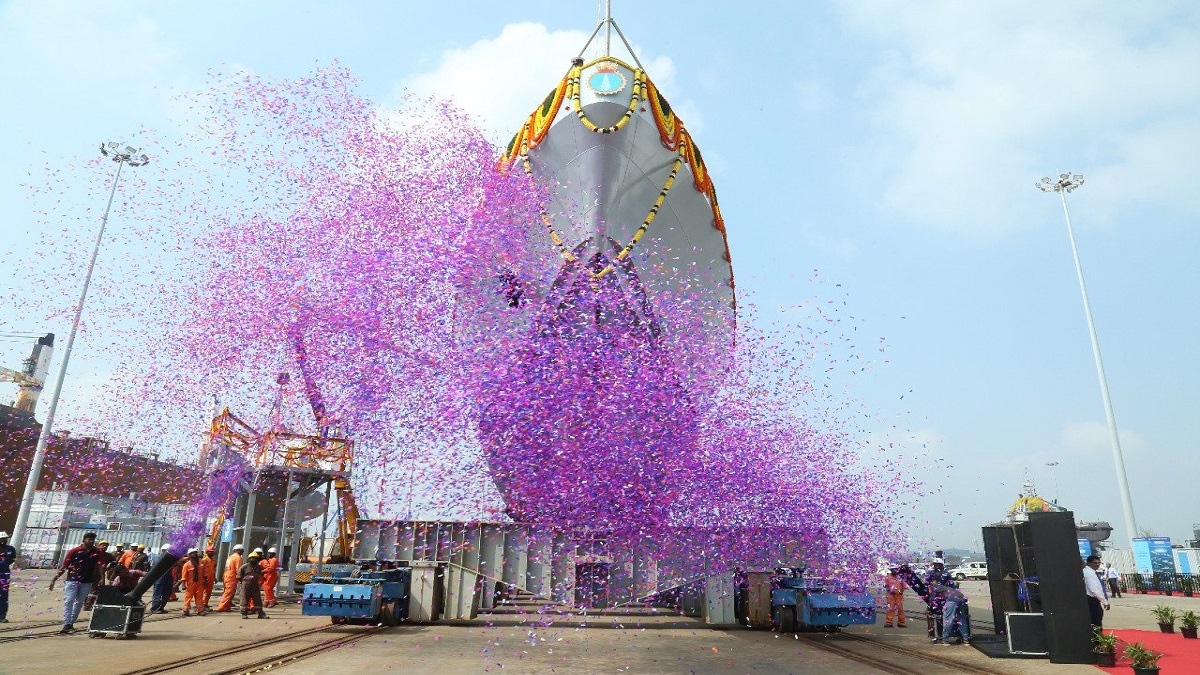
point(1069, 182)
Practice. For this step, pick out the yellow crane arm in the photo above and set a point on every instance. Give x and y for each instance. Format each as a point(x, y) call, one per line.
point(348, 521)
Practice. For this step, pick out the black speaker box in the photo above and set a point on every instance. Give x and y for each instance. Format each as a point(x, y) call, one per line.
point(1044, 552)
point(1027, 633)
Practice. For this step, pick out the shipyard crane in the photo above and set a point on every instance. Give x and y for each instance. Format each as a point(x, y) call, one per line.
point(326, 451)
point(32, 376)
point(347, 521)
point(279, 449)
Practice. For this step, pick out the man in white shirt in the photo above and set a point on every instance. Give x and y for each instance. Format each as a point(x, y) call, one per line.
point(1097, 599)
point(1113, 576)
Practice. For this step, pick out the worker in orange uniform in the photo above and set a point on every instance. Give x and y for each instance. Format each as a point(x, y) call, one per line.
point(208, 571)
point(270, 577)
point(126, 558)
point(194, 583)
point(894, 586)
point(230, 579)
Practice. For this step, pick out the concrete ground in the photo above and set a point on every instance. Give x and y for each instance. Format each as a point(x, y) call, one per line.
point(1128, 611)
point(691, 649)
point(505, 643)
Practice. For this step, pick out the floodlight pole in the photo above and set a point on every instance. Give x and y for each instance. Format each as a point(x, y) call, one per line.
point(1065, 183)
point(122, 156)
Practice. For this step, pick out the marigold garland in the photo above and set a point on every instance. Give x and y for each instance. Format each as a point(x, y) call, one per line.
point(670, 127)
point(662, 196)
point(635, 99)
point(535, 128)
point(672, 133)
point(637, 236)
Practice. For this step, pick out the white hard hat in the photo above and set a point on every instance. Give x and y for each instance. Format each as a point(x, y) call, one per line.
point(238, 547)
point(258, 550)
point(193, 550)
point(4, 535)
point(165, 547)
point(272, 550)
point(136, 545)
point(939, 561)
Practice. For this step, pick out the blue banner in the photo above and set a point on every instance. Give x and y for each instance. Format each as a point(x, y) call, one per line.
point(227, 531)
point(1162, 558)
point(1141, 555)
point(1153, 555)
point(1181, 560)
point(1085, 548)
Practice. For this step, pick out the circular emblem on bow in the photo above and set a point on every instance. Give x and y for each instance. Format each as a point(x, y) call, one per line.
point(607, 80)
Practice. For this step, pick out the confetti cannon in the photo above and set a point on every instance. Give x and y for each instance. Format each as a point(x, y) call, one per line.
point(120, 614)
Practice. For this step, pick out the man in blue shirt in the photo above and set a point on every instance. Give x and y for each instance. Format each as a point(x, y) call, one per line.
point(162, 587)
point(934, 578)
point(8, 555)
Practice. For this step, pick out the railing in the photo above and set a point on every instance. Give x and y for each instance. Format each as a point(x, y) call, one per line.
point(1187, 585)
point(303, 452)
point(278, 448)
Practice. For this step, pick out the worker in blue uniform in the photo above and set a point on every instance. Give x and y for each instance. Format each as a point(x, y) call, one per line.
point(935, 577)
point(162, 587)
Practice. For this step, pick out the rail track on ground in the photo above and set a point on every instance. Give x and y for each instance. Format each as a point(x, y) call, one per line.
point(27, 626)
point(866, 651)
point(221, 661)
point(57, 625)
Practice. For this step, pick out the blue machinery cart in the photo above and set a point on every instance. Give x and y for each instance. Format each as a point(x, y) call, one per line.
point(364, 597)
point(798, 603)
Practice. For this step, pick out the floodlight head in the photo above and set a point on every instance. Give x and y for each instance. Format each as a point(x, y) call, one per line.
point(127, 155)
point(1067, 182)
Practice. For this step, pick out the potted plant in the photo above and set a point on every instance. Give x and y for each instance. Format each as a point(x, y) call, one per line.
point(1164, 584)
point(1144, 661)
point(1104, 646)
point(1166, 615)
point(1139, 583)
point(1187, 624)
point(1187, 584)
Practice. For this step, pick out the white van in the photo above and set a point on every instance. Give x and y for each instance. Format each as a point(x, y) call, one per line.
point(970, 570)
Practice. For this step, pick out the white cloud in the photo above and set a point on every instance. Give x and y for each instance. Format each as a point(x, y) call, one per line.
point(973, 102)
point(1082, 439)
point(499, 81)
point(72, 52)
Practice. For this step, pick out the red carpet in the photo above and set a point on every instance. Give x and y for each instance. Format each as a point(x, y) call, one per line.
point(1180, 656)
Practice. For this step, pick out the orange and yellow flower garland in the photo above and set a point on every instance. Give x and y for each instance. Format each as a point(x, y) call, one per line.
point(672, 133)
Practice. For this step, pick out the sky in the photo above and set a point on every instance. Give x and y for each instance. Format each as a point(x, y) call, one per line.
point(879, 155)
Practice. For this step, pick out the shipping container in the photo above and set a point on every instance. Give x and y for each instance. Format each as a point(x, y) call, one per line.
point(59, 519)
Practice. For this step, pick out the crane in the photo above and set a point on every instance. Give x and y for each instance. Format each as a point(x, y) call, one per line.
point(32, 375)
point(347, 521)
point(277, 446)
